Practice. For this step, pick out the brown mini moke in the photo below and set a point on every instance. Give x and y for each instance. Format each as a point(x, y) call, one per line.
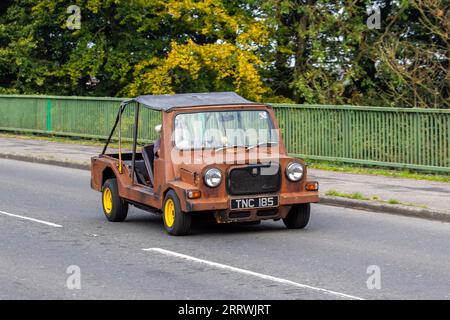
point(218, 156)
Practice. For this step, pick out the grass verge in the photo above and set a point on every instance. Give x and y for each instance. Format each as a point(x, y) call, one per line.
point(395, 173)
point(360, 196)
point(356, 195)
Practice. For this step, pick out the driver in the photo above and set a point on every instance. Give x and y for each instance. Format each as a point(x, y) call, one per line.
point(181, 134)
point(157, 144)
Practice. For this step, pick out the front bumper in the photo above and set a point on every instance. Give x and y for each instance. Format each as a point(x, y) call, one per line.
point(286, 200)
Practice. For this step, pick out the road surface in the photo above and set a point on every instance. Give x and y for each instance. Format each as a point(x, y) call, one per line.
point(50, 220)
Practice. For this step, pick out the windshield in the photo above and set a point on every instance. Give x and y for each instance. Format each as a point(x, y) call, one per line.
point(220, 129)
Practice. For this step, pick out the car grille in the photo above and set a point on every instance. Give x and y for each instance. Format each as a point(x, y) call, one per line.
point(254, 179)
point(267, 213)
point(239, 214)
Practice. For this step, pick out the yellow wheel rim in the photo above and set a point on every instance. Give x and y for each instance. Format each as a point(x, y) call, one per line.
point(107, 200)
point(169, 213)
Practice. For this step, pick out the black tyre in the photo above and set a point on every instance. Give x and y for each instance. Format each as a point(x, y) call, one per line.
point(298, 216)
point(114, 207)
point(176, 222)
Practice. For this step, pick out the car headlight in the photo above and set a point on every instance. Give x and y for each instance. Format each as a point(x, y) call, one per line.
point(213, 177)
point(294, 171)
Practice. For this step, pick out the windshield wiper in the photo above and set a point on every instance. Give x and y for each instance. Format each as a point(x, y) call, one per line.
point(269, 144)
point(226, 147)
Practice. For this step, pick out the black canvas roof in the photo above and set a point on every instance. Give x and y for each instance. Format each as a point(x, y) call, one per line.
point(165, 102)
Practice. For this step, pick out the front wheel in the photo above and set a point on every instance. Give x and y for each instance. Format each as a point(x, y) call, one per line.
point(114, 208)
point(298, 216)
point(176, 222)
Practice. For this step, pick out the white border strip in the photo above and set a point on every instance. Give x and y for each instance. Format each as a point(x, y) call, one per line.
point(32, 219)
point(250, 273)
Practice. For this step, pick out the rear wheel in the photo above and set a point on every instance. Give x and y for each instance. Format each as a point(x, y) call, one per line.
point(298, 216)
point(114, 207)
point(176, 222)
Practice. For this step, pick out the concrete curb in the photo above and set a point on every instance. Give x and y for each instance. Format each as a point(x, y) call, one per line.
point(33, 159)
point(386, 208)
point(372, 206)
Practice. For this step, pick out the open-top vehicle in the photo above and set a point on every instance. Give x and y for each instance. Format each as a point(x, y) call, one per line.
point(218, 155)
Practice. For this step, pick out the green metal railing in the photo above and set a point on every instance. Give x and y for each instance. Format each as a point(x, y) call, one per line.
point(395, 137)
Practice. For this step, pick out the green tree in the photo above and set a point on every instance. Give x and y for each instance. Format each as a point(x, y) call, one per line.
point(39, 54)
point(414, 54)
point(325, 53)
point(213, 51)
point(307, 51)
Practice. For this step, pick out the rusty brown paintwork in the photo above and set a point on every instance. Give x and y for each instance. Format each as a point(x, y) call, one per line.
point(184, 177)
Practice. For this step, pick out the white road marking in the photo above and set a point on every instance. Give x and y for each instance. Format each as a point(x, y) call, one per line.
point(32, 219)
point(251, 273)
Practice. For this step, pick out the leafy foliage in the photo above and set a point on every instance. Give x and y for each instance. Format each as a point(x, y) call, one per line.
point(200, 68)
point(304, 51)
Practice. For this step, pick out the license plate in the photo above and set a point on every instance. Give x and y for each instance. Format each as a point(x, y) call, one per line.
point(254, 203)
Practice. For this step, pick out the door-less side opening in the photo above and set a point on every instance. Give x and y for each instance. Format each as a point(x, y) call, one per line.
point(149, 158)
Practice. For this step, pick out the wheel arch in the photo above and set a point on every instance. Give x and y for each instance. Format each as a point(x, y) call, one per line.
point(179, 191)
point(107, 173)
